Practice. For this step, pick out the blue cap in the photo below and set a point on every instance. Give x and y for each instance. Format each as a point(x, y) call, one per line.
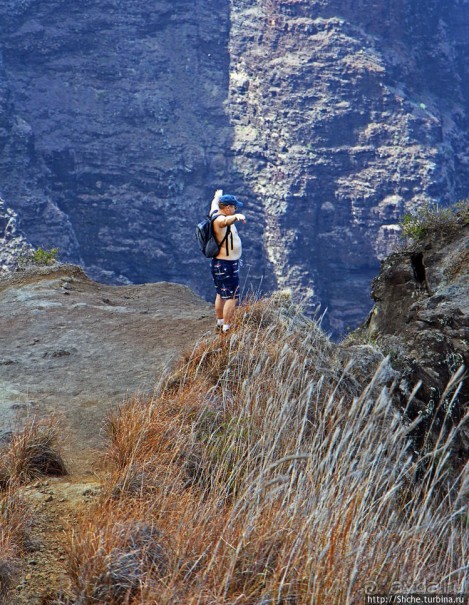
point(230, 200)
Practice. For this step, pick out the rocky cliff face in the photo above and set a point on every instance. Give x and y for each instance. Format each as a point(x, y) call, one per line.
point(24, 174)
point(345, 114)
point(120, 108)
point(421, 319)
point(12, 243)
point(329, 118)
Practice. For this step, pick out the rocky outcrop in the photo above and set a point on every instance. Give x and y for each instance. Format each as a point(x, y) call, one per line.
point(12, 243)
point(329, 118)
point(74, 349)
point(421, 319)
point(24, 175)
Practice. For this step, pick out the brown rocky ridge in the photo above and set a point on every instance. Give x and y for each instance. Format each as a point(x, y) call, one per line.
point(76, 348)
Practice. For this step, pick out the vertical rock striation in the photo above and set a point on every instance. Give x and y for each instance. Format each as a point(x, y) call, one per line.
point(345, 114)
point(124, 108)
point(13, 245)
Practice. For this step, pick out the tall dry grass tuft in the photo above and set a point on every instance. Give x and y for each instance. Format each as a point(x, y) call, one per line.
point(273, 476)
point(32, 452)
point(114, 554)
point(15, 526)
point(8, 563)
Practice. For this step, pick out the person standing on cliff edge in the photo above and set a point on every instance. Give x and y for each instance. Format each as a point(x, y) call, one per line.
point(225, 266)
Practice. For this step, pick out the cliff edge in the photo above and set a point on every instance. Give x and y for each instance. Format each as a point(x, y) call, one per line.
point(75, 348)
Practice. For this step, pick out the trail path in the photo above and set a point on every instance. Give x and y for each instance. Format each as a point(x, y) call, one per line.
point(56, 502)
point(77, 349)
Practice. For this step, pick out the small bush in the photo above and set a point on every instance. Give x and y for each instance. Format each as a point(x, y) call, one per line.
point(45, 257)
point(40, 257)
point(31, 453)
point(435, 219)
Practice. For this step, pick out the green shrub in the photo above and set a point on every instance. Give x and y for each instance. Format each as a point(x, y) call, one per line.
point(434, 219)
point(38, 258)
point(45, 257)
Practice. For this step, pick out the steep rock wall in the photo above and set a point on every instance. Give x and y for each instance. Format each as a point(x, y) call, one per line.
point(329, 118)
point(347, 113)
point(23, 178)
point(421, 319)
point(124, 109)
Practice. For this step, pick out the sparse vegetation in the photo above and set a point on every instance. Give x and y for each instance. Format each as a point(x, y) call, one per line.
point(45, 257)
point(435, 219)
point(264, 471)
point(38, 257)
point(32, 452)
point(15, 522)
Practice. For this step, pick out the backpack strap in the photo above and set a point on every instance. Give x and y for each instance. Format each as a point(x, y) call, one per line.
point(225, 239)
point(214, 216)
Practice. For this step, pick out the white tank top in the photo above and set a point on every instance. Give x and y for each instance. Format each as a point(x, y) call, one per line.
point(235, 247)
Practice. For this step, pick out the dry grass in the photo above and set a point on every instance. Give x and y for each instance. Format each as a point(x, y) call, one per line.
point(268, 475)
point(435, 221)
point(124, 553)
point(15, 522)
point(32, 452)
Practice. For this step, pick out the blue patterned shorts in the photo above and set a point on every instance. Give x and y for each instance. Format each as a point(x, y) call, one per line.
point(225, 275)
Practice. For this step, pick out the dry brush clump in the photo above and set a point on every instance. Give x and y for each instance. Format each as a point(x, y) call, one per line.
point(15, 536)
point(272, 476)
point(32, 452)
point(112, 557)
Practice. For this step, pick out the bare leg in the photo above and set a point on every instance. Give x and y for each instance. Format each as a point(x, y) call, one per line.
point(228, 310)
point(219, 305)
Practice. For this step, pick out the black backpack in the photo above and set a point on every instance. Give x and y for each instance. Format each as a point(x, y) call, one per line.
point(206, 237)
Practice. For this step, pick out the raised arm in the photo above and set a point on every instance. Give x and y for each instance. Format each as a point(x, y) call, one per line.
point(216, 200)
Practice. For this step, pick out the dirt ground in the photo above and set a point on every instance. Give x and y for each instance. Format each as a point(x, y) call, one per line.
point(76, 349)
point(55, 503)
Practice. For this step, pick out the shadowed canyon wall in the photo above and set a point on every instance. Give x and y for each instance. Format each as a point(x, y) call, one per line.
point(328, 118)
point(345, 114)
